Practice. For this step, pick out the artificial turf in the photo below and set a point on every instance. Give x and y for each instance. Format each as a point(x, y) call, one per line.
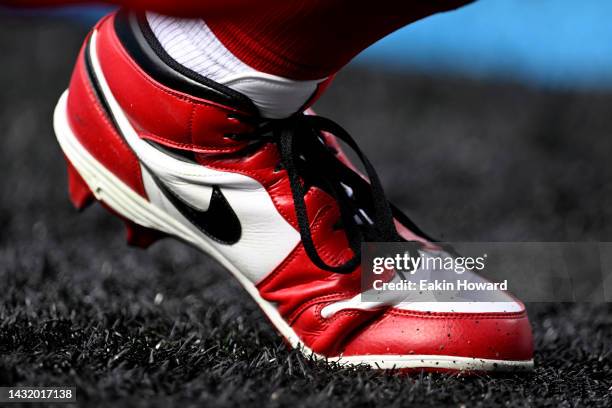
point(468, 159)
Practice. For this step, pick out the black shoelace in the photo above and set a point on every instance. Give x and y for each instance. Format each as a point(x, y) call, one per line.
point(365, 213)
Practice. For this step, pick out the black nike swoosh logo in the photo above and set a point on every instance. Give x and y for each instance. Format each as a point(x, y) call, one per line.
point(219, 222)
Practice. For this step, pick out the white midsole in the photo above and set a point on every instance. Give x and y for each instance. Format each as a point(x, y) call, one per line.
point(111, 190)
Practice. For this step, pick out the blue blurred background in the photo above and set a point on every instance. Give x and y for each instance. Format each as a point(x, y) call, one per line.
point(561, 43)
point(551, 43)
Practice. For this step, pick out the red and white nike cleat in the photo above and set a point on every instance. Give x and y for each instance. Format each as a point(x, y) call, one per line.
point(173, 153)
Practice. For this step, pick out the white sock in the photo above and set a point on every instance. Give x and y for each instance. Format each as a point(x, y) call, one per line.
point(192, 44)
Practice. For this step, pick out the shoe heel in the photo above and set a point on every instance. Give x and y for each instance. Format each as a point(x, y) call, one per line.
point(80, 194)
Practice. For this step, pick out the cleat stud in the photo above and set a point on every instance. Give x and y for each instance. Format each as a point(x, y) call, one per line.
point(142, 237)
point(80, 194)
